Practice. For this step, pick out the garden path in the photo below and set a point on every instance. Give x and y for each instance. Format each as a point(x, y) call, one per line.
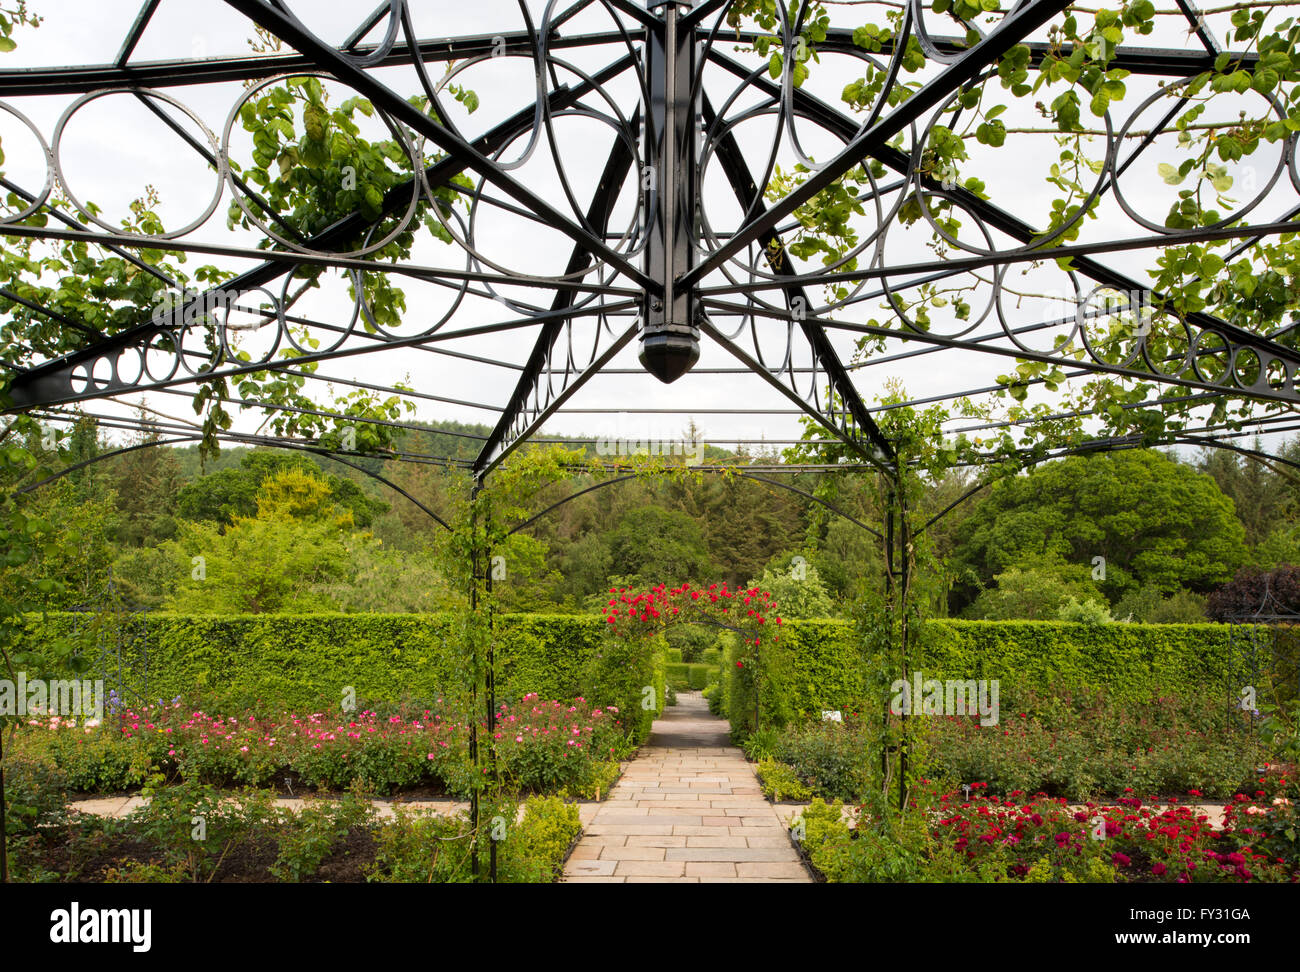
point(687, 808)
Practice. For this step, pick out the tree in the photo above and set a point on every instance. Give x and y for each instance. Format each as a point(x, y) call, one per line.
point(1255, 591)
point(1035, 592)
point(1150, 519)
point(146, 482)
point(274, 561)
point(657, 546)
point(1260, 497)
point(72, 568)
point(1148, 605)
point(230, 493)
point(382, 580)
point(798, 592)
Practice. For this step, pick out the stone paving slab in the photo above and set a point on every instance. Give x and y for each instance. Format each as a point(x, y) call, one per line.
point(789, 812)
point(120, 806)
point(687, 809)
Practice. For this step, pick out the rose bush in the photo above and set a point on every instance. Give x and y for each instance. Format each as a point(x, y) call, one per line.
point(946, 836)
point(543, 746)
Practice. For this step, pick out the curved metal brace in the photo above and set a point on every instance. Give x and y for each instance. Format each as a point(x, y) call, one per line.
point(198, 438)
point(743, 475)
point(1108, 445)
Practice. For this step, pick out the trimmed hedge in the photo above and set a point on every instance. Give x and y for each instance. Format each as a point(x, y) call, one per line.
point(817, 665)
point(689, 676)
point(677, 674)
point(304, 661)
point(698, 676)
point(300, 660)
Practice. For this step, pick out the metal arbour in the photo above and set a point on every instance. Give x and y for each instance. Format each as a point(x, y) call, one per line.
point(1256, 663)
point(655, 256)
point(674, 275)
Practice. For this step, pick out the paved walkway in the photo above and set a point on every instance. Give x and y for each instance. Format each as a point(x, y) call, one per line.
point(688, 808)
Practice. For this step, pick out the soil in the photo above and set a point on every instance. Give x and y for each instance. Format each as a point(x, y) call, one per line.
point(92, 855)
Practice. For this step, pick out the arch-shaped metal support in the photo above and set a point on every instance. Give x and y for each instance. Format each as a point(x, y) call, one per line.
point(176, 440)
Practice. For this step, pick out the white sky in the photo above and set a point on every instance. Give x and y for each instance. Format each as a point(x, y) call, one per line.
point(112, 148)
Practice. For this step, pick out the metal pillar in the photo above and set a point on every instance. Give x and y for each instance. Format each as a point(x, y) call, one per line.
point(473, 684)
point(897, 543)
point(903, 608)
point(491, 680)
point(670, 337)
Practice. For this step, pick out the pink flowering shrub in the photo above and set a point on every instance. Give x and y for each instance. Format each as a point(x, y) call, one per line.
point(545, 746)
point(541, 746)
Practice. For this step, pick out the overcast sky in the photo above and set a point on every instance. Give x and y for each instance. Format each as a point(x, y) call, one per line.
point(112, 148)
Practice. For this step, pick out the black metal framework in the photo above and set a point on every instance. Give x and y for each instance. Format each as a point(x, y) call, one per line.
point(687, 239)
point(674, 275)
point(1254, 656)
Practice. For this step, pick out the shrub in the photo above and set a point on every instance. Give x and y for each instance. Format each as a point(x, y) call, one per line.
point(548, 746)
point(96, 762)
point(309, 836)
point(422, 848)
point(690, 641)
point(535, 848)
point(698, 676)
point(678, 675)
point(830, 757)
point(173, 813)
point(781, 782)
point(1081, 744)
point(762, 744)
point(35, 793)
point(950, 837)
point(1088, 611)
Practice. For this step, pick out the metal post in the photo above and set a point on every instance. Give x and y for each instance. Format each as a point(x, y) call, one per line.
point(670, 339)
point(4, 834)
point(491, 688)
point(903, 599)
point(473, 716)
point(889, 620)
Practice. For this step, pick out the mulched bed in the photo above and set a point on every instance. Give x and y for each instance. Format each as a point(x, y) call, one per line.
point(91, 855)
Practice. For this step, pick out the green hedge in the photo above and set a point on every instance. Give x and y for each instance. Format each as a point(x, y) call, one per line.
point(817, 664)
point(699, 676)
point(678, 674)
point(688, 676)
point(304, 661)
point(301, 660)
point(1132, 661)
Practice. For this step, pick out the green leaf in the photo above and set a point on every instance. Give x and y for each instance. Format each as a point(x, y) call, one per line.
point(314, 121)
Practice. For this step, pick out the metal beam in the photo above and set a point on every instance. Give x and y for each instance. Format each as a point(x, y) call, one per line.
point(183, 72)
point(1163, 61)
point(748, 194)
point(983, 55)
point(384, 98)
point(605, 196)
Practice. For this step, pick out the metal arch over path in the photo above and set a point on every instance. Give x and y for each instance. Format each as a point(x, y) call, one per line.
point(674, 276)
point(689, 237)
